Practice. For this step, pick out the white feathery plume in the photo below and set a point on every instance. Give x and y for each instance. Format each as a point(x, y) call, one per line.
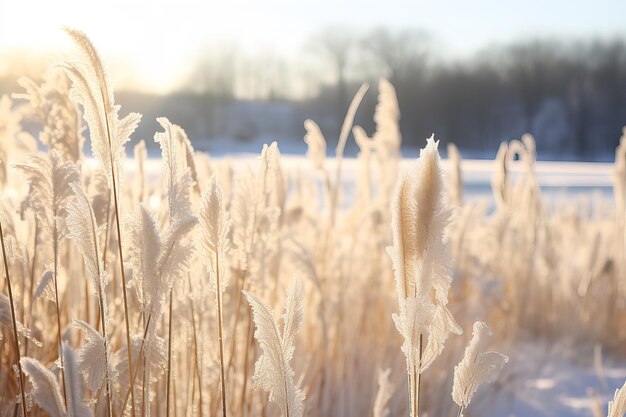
point(141, 154)
point(184, 148)
point(175, 251)
point(90, 89)
point(91, 356)
point(171, 262)
point(100, 193)
point(384, 143)
point(385, 391)
point(156, 258)
point(243, 211)
point(46, 389)
point(214, 241)
point(415, 319)
point(155, 352)
point(8, 223)
point(43, 287)
point(430, 215)
point(6, 320)
point(16, 345)
point(402, 229)
point(268, 193)
point(257, 209)
point(155, 355)
point(12, 139)
point(475, 368)
point(83, 231)
point(170, 142)
point(74, 385)
point(387, 114)
point(617, 407)
point(264, 174)
point(178, 179)
point(51, 104)
point(292, 317)
point(190, 160)
point(278, 190)
point(176, 149)
point(441, 326)
point(316, 142)
point(144, 245)
point(272, 371)
point(214, 229)
point(49, 178)
point(419, 217)
point(9, 126)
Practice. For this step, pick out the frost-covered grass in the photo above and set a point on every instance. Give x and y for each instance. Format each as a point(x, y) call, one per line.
point(297, 286)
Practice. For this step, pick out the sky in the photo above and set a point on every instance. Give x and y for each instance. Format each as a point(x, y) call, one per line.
point(157, 39)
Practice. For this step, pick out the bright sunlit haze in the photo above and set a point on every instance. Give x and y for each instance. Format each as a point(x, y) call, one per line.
point(155, 43)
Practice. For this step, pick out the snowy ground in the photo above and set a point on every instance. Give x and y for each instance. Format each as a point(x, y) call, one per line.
point(556, 179)
point(543, 380)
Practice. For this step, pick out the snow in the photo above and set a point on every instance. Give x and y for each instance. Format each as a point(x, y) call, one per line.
point(556, 179)
point(544, 380)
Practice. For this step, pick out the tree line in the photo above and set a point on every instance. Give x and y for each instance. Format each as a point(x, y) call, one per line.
point(570, 94)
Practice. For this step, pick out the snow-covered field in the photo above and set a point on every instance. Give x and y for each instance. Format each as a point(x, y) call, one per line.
point(555, 178)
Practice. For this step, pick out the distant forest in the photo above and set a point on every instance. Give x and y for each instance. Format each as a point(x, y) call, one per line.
point(570, 94)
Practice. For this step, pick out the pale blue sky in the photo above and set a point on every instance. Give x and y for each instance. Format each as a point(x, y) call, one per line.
point(158, 37)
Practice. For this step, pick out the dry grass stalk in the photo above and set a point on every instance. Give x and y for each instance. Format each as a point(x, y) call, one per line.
point(16, 342)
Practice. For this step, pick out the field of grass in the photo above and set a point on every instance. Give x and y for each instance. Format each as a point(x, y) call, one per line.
point(191, 286)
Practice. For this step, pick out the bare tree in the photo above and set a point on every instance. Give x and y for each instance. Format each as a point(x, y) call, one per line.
point(533, 70)
point(403, 54)
point(335, 45)
point(215, 71)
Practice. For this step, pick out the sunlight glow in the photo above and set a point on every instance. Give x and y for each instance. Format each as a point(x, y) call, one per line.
point(154, 42)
